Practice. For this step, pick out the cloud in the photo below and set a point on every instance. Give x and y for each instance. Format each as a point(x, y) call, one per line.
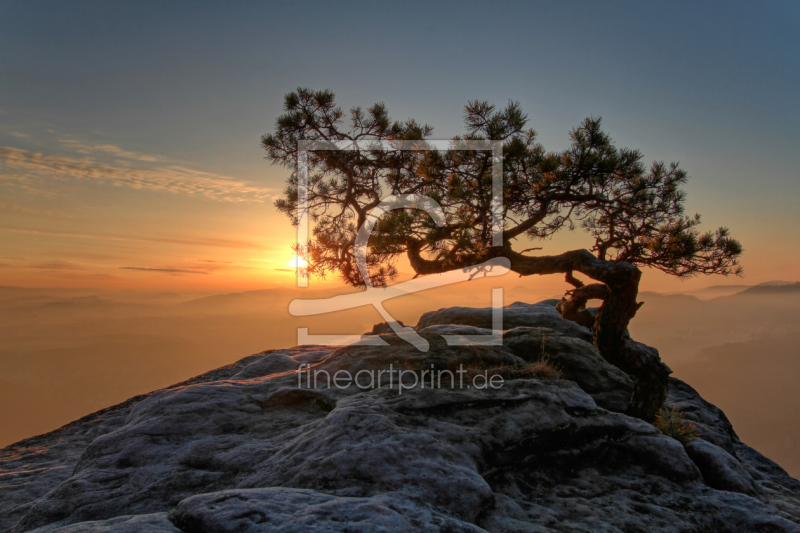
point(168, 178)
point(86, 277)
point(221, 243)
point(19, 135)
point(167, 270)
point(56, 265)
point(212, 261)
point(89, 255)
point(284, 269)
point(86, 148)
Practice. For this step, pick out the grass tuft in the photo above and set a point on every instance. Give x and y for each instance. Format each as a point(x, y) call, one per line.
point(672, 424)
point(541, 369)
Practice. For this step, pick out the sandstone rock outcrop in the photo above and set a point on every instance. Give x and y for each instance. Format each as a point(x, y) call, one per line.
point(256, 446)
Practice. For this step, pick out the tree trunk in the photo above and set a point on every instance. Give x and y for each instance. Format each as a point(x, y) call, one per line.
point(611, 338)
point(640, 363)
point(573, 305)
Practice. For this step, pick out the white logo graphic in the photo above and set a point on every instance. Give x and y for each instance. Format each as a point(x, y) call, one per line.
point(376, 296)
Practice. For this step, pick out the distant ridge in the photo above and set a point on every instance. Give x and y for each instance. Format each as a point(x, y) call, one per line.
point(771, 288)
point(720, 288)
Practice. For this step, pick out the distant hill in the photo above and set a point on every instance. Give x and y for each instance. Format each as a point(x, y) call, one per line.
point(33, 292)
point(718, 291)
point(257, 300)
point(671, 299)
point(724, 288)
point(21, 308)
point(217, 301)
point(792, 288)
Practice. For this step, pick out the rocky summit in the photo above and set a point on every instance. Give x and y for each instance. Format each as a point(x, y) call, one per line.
point(261, 445)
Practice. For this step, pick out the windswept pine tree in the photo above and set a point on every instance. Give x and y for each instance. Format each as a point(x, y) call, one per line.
point(633, 213)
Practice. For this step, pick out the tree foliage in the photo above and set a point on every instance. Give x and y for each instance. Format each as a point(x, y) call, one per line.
point(632, 212)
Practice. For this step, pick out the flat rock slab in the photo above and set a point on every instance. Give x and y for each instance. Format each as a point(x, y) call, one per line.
point(518, 314)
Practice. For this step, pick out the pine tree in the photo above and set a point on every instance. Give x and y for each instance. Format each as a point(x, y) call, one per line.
point(633, 213)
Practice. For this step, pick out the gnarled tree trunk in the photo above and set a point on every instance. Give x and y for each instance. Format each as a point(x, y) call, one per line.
point(637, 360)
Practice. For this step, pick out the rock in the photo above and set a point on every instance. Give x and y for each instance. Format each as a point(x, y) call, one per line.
point(650, 376)
point(31, 468)
point(578, 360)
point(383, 327)
point(719, 468)
point(780, 488)
point(712, 424)
point(272, 363)
point(401, 355)
point(148, 523)
point(568, 345)
point(281, 510)
point(518, 314)
point(255, 446)
point(455, 329)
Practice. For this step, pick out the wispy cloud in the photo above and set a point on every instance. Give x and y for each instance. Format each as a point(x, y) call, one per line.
point(19, 135)
point(88, 148)
point(26, 263)
point(89, 255)
point(170, 178)
point(220, 243)
point(95, 276)
point(56, 265)
point(167, 270)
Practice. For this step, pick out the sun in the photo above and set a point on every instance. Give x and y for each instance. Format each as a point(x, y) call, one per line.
point(297, 262)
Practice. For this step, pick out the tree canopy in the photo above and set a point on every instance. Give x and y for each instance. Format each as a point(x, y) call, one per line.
point(634, 213)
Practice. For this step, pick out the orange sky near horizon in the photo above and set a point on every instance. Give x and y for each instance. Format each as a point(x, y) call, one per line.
point(101, 216)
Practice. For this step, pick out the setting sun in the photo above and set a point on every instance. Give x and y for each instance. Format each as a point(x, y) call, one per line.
point(297, 262)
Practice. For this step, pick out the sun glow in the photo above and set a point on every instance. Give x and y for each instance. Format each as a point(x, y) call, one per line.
point(297, 262)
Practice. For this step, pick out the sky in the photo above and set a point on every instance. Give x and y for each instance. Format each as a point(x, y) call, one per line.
point(129, 132)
